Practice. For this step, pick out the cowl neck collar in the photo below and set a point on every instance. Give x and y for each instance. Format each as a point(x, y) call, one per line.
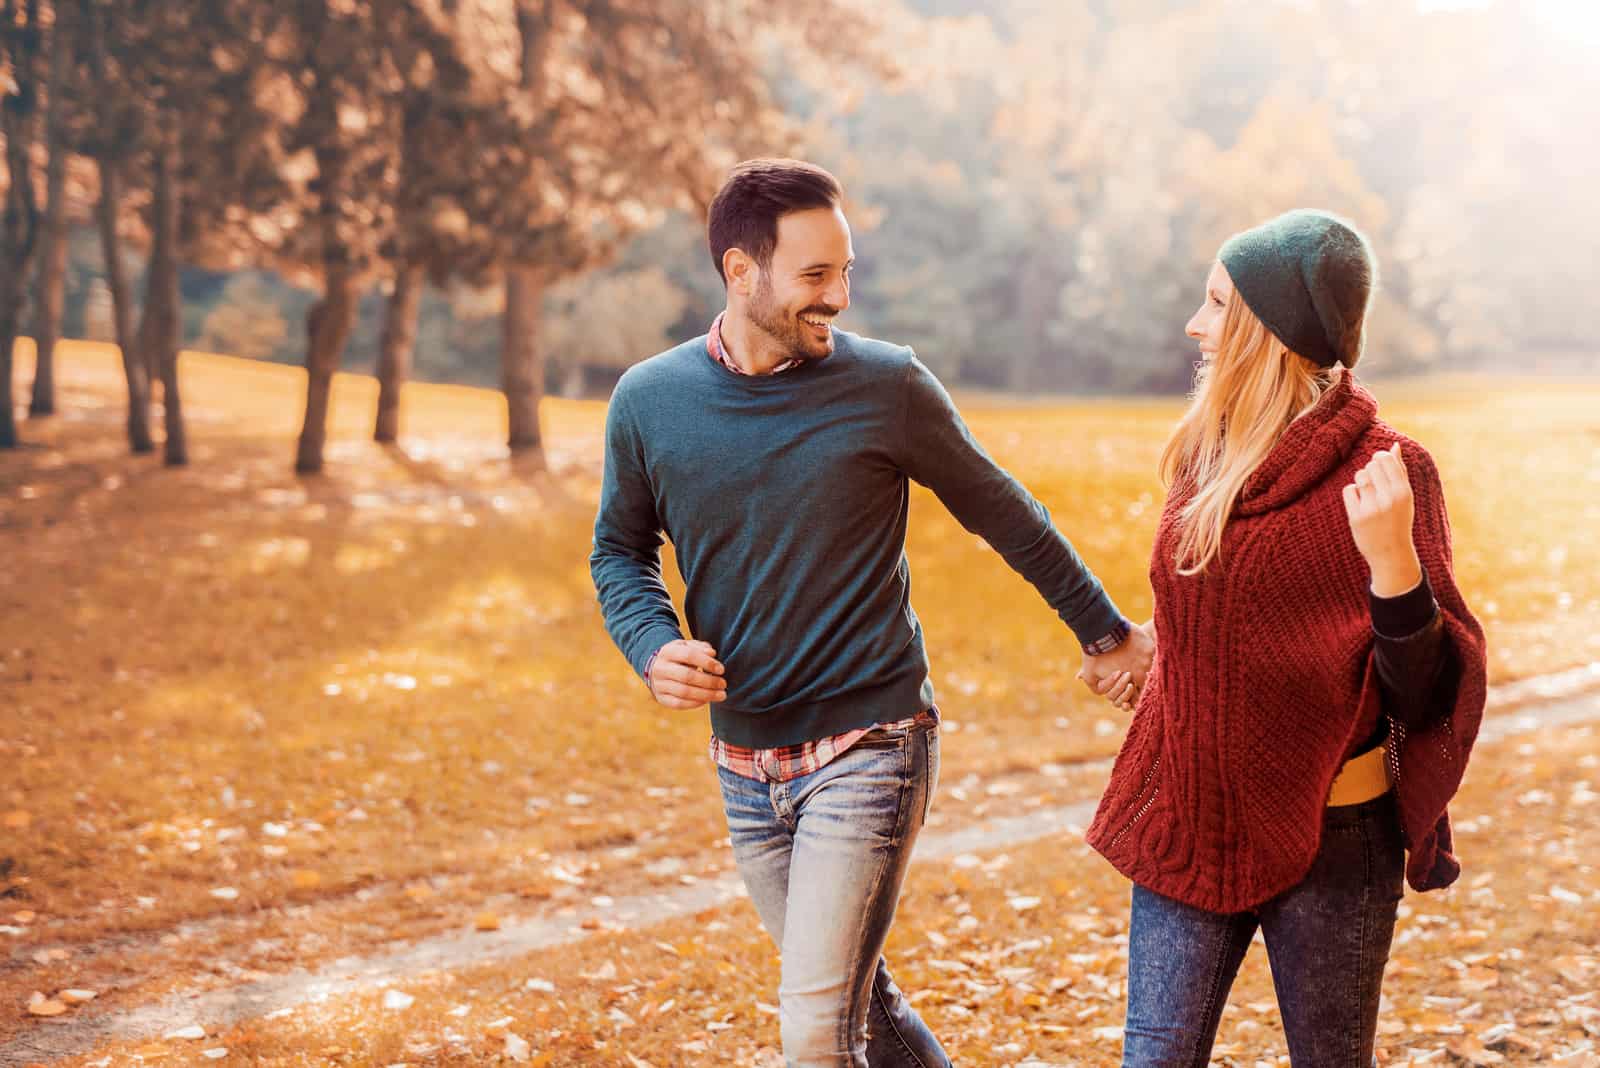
point(1311, 448)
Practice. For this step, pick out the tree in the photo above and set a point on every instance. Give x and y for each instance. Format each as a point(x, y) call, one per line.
point(112, 131)
point(246, 321)
point(342, 62)
point(53, 252)
point(623, 108)
point(160, 328)
point(451, 92)
point(584, 331)
point(21, 34)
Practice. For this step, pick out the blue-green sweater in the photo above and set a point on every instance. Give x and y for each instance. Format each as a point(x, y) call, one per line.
point(785, 498)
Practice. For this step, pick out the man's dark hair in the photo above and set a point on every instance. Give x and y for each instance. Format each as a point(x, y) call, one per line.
point(759, 192)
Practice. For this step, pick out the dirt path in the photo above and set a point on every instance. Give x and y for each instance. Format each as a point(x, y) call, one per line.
point(1545, 703)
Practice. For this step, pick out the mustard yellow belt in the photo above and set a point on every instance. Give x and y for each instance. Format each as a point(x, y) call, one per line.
point(1362, 778)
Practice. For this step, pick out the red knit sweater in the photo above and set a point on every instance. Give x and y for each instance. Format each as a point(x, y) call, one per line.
point(1264, 683)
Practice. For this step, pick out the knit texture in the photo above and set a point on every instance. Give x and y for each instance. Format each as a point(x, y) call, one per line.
point(1307, 275)
point(1264, 681)
point(786, 499)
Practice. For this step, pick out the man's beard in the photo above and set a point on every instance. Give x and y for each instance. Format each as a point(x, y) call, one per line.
point(791, 335)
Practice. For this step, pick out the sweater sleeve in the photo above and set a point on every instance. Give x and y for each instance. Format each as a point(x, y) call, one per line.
point(626, 560)
point(1411, 654)
point(937, 450)
point(1432, 756)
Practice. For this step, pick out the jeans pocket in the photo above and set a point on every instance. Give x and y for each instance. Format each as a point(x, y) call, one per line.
point(883, 738)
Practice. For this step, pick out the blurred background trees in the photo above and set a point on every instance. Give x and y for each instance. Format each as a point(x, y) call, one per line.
point(511, 192)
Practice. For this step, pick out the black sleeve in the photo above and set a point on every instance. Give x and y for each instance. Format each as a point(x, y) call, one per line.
point(1412, 654)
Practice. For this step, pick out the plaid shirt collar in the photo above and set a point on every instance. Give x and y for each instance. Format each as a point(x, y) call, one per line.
point(719, 351)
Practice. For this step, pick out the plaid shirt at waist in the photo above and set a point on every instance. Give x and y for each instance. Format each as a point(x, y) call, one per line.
point(792, 761)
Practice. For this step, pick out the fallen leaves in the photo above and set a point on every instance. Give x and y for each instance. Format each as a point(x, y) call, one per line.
point(975, 1001)
point(397, 1000)
point(1476, 1054)
point(39, 1005)
point(517, 1048)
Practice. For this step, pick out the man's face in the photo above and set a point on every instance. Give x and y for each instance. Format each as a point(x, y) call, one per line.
point(807, 283)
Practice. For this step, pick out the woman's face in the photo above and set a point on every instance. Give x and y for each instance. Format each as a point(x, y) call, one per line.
point(1205, 326)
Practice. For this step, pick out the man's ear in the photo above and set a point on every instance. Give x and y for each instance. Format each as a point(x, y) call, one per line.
point(741, 271)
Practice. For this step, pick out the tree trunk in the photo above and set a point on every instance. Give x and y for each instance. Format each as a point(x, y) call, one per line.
point(522, 360)
point(133, 367)
point(19, 225)
point(330, 320)
point(10, 325)
point(328, 326)
point(395, 348)
point(160, 331)
point(8, 341)
point(1038, 304)
point(53, 250)
point(48, 301)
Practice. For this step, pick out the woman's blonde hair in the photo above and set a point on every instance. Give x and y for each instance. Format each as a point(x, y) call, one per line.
point(1243, 400)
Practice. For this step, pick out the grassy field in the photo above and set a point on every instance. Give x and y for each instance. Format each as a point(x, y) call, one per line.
point(249, 721)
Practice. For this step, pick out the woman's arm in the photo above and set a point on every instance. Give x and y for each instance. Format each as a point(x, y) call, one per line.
point(1409, 640)
point(1410, 652)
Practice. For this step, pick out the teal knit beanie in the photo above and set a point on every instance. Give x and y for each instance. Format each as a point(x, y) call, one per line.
point(1307, 275)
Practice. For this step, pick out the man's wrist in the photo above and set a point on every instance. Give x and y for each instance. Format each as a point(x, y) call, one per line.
point(1111, 639)
point(657, 638)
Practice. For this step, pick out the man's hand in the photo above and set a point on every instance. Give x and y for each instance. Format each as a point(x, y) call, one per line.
point(687, 674)
point(1119, 675)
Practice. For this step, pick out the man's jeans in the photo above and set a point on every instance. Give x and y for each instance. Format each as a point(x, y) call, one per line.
point(1327, 941)
point(823, 857)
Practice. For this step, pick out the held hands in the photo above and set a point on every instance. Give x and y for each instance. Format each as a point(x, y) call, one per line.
point(1119, 675)
point(687, 674)
point(1380, 509)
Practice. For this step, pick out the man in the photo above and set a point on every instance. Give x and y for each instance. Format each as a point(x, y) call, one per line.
point(774, 452)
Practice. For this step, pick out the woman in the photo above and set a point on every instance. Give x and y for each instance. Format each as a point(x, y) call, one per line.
point(1318, 679)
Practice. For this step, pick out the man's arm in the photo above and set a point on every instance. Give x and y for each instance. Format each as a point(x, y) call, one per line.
point(938, 451)
point(626, 561)
point(626, 567)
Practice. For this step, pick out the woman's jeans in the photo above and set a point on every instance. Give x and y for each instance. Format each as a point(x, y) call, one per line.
point(823, 857)
point(1327, 941)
